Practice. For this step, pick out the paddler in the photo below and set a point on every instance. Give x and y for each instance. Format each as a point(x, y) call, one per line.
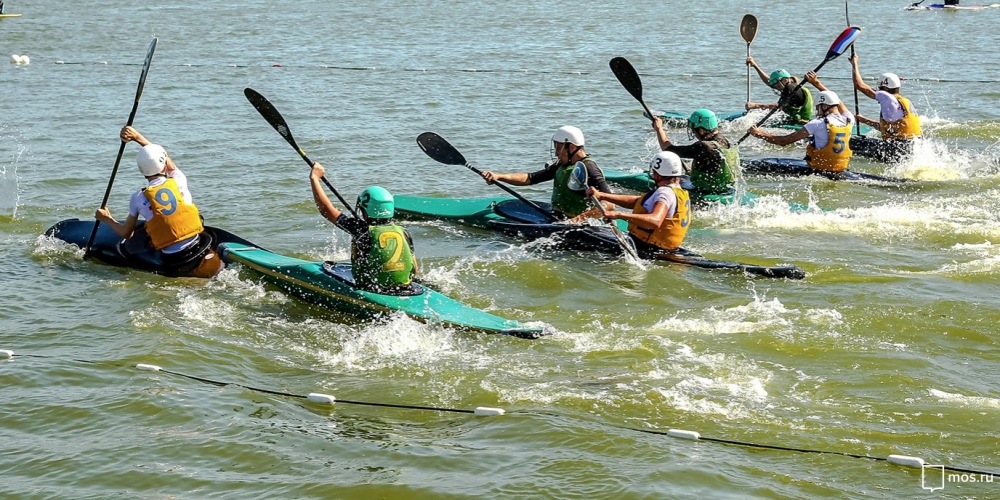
point(382, 258)
point(568, 143)
point(897, 119)
point(661, 217)
point(714, 158)
point(829, 150)
point(173, 223)
point(796, 104)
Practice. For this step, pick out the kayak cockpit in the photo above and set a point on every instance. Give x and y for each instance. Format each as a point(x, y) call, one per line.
point(342, 272)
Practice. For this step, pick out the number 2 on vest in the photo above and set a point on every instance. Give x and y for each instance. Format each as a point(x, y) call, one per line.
point(383, 241)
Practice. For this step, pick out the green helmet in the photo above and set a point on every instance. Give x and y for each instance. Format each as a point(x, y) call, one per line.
point(377, 203)
point(778, 75)
point(703, 118)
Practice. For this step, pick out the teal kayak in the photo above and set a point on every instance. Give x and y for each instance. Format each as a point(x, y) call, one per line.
point(477, 212)
point(675, 119)
point(640, 181)
point(332, 285)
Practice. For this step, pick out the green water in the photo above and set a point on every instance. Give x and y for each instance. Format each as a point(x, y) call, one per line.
point(887, 347)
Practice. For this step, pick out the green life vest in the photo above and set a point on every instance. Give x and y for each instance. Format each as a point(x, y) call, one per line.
point(570, 203)
point(389, 262)
point(800, 114)
point(720, 181)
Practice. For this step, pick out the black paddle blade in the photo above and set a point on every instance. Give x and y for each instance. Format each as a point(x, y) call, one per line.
point(145, 71)
point(439, 149)
point(627, 76)
point(271, 114)
point(748, 28)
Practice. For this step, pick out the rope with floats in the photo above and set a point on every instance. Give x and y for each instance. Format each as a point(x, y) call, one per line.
point(320, 398)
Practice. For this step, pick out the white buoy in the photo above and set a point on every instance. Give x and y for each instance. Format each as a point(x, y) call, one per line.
point(15, 59)
point(486, 411)
point(907, 461)
point(147, 368)
point(6, 353)
point(682, 434)
point(316, 397)
point(25, 59)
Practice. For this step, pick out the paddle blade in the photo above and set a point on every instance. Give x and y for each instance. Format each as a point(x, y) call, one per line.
point(748, 28)
point(627, 76)
point(439, 149)
point(271, 114)
point(845, 40)
point(145, 70)
point(578, 178)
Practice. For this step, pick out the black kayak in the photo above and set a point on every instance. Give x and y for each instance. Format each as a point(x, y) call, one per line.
point(602, 239)
point(135, 253)
point(881, 151)
point(791, 167)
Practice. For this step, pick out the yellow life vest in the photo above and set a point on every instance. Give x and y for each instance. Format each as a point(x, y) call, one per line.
point(905, 128)
point(174, 220)
point(670, 234)
point(836, 155)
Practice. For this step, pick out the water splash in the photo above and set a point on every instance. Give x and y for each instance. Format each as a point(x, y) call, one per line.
point(10, 185)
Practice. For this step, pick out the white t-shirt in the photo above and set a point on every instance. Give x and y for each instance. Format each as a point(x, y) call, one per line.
point(891, 109)
point(664, 195)
point(139, 205)
point(817, 127)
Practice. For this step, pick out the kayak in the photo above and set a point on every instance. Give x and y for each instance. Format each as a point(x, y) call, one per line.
point(515, 218)
point(679, 120)
point(331, 285)
point(792, 167)
point(640, 181)
point(938, 6)
point(109, 248)
point(881, 151)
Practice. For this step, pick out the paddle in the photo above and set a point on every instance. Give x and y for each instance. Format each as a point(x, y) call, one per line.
point(857, 109)
point(442, 151)
point(121, 149)
point(839, 46)
point(271, 114)
point(629, 79)
point(748, 30)
point(578, 182)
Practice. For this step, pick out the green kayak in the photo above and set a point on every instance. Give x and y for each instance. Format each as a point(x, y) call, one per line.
point(640, 181)
point(679, 120)
point(477, 212)
point(332, 285)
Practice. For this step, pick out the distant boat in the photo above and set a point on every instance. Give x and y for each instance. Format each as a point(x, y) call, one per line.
point(938, 6)
point(9, 15)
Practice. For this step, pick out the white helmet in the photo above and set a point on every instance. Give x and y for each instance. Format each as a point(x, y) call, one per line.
point(570, 134)
point(666, 164)
point(828, 97)
point(152, 159)
point(889, 81)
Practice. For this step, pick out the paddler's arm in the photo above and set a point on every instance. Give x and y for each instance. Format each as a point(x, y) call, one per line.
point(867, 121)
point(326, 209)
point(779, 140)
point(516, 179)
point(124, 230)
point(764, 77)
point(622, 200)
point(661, 134)
point(648, 221)
point(859, 83)
point(814, 80)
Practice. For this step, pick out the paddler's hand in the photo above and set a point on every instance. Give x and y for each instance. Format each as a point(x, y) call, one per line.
point(811, 78)
point(611, 216)
point(756, 131)
point(490, 177)
point(657, 123)
point(751, 62)
point(592, 191)
point(103, 215)
point(750, 106)
point(853, 58)
point(317, 172)
point(129, 134)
